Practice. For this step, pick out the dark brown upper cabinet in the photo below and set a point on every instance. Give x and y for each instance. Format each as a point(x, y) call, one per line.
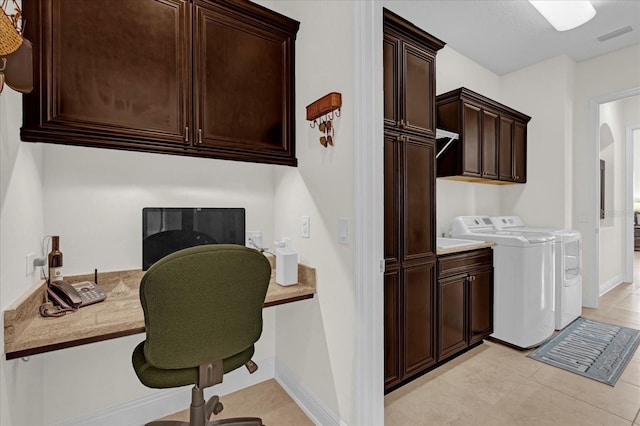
point(492, 145)
point(210, 78)
point(519, 148)
point(409, 56)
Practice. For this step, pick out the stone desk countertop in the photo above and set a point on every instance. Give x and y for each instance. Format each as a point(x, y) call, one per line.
point(27, 333)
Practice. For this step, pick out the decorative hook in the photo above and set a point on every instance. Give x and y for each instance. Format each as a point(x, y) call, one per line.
point(4, 64)
point(325, 109)
point(326, 127)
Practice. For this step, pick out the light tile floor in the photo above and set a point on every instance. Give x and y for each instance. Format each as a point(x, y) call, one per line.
point(266, 400)
point(490, 385)
point(496, 385)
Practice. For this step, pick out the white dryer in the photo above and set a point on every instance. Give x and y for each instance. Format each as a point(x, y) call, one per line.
point(568, 267)
point(523, 310)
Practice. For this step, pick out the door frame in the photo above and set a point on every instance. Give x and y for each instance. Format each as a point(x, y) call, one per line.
point(369, 214)
point(628, 208)
point(593, 296)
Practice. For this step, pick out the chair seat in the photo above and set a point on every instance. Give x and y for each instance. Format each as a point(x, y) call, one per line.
point(158, 378)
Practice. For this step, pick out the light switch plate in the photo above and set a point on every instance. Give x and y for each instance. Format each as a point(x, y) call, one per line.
point(343, 230)
point(305, 231)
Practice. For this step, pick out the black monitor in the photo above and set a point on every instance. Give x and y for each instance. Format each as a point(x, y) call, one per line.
point(168, 229)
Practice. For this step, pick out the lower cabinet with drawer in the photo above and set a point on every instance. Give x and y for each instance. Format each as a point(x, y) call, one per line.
point(465, 300)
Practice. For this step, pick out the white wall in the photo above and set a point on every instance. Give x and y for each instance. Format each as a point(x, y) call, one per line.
point(21, 230)
point(595, 78)
point(543, 91)
point(94, 198)
point(454, 198)
point(315, 339)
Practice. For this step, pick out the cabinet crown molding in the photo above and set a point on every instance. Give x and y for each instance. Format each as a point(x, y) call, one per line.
point(411, 31)
point(470, 95)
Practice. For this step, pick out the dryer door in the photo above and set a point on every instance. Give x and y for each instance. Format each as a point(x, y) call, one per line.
point(572, 261)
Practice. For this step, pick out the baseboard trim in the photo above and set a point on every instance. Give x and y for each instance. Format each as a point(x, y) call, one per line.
point(611, 284)
point(169, 401)
point(308, 401)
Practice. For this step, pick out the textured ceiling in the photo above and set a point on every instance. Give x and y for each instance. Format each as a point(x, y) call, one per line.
point(506, 35)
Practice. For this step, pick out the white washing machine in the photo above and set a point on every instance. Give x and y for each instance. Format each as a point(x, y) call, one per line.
point(523, 310)
point(568, 265)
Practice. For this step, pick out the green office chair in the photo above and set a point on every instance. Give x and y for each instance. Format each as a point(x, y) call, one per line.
point(202, 313)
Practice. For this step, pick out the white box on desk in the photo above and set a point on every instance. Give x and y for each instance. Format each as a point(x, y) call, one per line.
point(286, 266)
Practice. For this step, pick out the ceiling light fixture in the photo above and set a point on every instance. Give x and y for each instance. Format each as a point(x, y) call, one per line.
point(565, 15)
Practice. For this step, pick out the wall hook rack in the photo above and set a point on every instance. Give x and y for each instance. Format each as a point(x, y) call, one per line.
point(322, 112)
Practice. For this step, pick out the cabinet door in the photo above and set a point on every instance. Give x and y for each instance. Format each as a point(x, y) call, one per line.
point(419, 317)
point(505, 166)
point(489, 145)
point(243, 85)
point(391, 63)
point(519, 146)
point(471, 138)
point(392, 194)
point(418, 174)
point(418, 90)
point(452, 320)
point(103, 80)
point(392, 327)
point(480, 305)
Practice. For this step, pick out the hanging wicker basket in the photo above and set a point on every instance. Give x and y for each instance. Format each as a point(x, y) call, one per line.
point(10, 39)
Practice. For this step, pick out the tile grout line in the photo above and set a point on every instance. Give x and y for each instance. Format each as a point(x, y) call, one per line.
point(584, 401)
point(636, 417)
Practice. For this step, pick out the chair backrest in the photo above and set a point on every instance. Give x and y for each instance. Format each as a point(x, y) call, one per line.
point(203, 304)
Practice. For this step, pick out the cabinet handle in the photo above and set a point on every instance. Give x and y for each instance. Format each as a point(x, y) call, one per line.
point(186, 134)
point(199, 136)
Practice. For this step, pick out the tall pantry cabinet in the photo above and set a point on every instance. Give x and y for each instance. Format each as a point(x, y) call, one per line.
point(410, 279)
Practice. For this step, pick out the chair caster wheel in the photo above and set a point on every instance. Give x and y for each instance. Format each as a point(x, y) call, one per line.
point(218, 408)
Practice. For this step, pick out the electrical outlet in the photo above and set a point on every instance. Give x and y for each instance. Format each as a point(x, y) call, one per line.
point(31, 257)
point(305, 227)
point(343, 231)
point(254, 239)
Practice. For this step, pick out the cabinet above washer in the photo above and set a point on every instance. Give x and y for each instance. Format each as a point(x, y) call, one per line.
point(492, 145)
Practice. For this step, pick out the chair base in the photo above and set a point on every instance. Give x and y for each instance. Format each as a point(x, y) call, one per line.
point(199, 412)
